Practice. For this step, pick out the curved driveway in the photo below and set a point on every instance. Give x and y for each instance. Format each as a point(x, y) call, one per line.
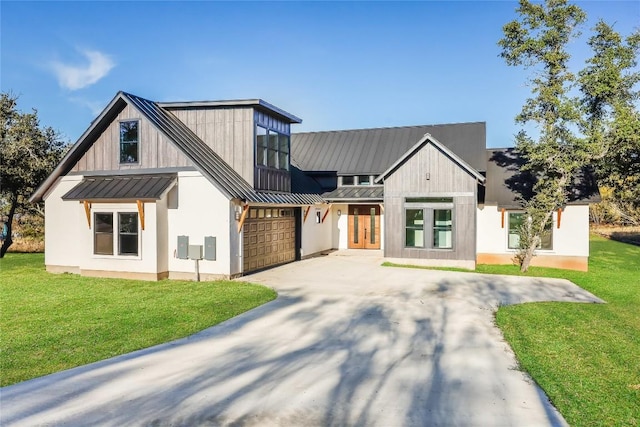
point(347, 343)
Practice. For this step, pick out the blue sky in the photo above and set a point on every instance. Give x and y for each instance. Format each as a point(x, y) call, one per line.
point(337, 65)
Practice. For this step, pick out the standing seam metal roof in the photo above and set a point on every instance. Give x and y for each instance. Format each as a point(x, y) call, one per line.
point(210, 164)
point(372, 151)
point(140, 187)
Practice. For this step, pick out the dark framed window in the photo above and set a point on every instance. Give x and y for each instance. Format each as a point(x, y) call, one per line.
point(348, 180)
point(442, 229)
point(103, 233)
point(516, 221)
point(429, 226)
point(414, 228)
point(128, 233)
point(105, 239)
point(272, 148)
point(129, 141)
point(364, 180)
point(261, 146)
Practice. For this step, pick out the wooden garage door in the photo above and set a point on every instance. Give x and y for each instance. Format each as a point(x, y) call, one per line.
point(269, 238)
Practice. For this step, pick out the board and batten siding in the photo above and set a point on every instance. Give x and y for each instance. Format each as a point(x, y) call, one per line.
point(156, 151)
point(228, 131)
point(446, 179)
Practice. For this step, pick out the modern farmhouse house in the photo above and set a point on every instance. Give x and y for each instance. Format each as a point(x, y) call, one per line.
point(152, 186)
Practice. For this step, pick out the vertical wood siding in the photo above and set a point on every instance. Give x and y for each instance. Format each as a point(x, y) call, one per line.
point(228, 131)
point(446, 179)
point(156, 151)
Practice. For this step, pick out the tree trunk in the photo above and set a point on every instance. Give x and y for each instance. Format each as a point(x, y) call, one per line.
point(529, 254)
point(8, 241)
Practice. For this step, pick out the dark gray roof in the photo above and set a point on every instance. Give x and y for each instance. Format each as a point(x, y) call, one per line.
point(205, 160)
point(355, 193)
point(132, 187)
point(506, 181)
point(372, 151)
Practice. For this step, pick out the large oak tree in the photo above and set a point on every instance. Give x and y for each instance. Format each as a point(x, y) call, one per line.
point(28, 154)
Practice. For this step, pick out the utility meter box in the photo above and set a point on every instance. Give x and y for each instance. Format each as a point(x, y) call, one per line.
point(209, 248)
point(183, 247)
point(195, 251)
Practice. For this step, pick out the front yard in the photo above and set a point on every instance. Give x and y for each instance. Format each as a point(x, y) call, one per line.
point(52, 322)
point(585, 357)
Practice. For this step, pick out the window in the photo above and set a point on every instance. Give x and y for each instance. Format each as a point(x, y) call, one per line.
point(261, 146)
point(272, 148)
point(103, 234)
point(414, 228)
point(429, 226)
point(364, 180)
point(105, 240)
point(516, 221)
point(348, 180)
point(129, 139)
point(442, 234)
point(128, 234)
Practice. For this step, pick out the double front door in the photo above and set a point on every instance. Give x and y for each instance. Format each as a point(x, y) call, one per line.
point(364, 226)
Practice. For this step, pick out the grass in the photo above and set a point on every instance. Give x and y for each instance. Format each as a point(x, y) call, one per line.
point(586, 357)
point(52, 322)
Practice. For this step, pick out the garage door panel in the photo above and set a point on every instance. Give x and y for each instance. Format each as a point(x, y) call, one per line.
point(269, 239)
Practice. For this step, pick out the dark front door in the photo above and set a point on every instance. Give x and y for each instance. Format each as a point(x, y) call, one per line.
point(364, 227)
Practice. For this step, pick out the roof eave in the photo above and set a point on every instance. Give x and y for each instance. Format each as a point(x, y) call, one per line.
point(256, 103)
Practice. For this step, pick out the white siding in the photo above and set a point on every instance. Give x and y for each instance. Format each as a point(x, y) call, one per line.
point(571, 239)
point(316, 237)
point(64, 222)
point(202, 210)
point(340, 236)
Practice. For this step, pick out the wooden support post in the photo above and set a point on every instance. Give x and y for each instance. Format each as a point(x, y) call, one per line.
point(140, 204)
point(87, 211)
point(381, 207)
point(325, 214)
point(559, 216)
point(502, 211)
point(245, 211)
point(306, 213)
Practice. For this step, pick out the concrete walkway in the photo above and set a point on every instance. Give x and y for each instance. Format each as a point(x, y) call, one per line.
point(347, 343)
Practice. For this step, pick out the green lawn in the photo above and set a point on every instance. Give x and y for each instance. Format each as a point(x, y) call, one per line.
point(585, 356)
point(51, 322)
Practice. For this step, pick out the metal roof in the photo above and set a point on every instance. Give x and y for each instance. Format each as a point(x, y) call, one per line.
point(355, 193)
point(426, 139)
point(372, 151)
point(205, 160)
point(506, 182)
point(131, 187)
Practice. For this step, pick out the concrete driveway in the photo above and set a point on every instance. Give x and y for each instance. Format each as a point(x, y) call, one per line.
point(347, 342)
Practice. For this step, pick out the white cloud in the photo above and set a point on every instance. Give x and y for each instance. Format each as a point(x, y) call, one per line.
point(74, 77)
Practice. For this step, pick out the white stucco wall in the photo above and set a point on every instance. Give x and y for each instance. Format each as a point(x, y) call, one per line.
point(571, 239)
point(147, 259)
point(316, 237)
point(340, 239)
point(202, 210)
point(62, 226)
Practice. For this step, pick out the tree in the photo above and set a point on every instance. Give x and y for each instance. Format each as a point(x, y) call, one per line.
point(28, 154)
point(538, 40)
point(607, 84)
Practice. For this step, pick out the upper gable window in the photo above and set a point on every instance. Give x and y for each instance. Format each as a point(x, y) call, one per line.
point(129, 141)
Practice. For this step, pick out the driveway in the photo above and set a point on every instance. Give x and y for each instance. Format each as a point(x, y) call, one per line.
point(347, 342)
